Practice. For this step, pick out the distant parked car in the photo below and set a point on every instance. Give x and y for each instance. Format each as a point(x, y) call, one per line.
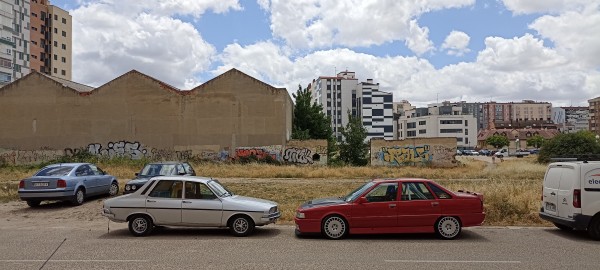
point(392, 206)
point(190, 202)
point(534, 151)
point(485, 152)
point(459, 153)
point(470, 153)
point(158, 169)
point(67, 181)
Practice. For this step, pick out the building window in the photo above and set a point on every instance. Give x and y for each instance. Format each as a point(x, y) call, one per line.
point(459, 139)
point(466, 131)
point(422, 123)
point(55, 17)
point(64, 20)
point(33, 14)
point(411, 125)
point(55, 57)
point(55, 71)
point(411, 133)
point(422, 131)
point(55, 44)
point(466, 123)
point(64, 46)
point(64, 34)
point(55, 30)
point(5, 77)
point(5, 63)
point(451, 130)
point(64, 60)
point(63, 72)
point(450, 122)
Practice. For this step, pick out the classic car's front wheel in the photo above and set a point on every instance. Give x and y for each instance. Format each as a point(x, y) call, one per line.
point(448, 227)
point(335, 227)
point(140, 225)
point(79, 197)
point(241, 226)
point(114, 189)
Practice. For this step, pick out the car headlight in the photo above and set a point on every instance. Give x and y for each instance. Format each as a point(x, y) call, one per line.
point(273, 210)
point(106, 210)
point(133, 187)
point(127, 187)
point(300, 215)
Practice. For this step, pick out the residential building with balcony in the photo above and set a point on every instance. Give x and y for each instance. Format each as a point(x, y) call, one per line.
point(526, 114)
point(594, 124)
point(51, 40)
point(14, 40)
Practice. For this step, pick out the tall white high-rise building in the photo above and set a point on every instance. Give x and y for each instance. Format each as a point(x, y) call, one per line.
point(14, 40)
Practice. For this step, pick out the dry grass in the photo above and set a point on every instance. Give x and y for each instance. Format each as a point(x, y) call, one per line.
point(511, 188)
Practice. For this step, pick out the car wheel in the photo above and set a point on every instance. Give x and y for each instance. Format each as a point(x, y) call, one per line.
point(448, 227)
point(241, 226)
point(34, 203)
point(114, 189)
point(140, 225)
point(334, 227)
point(594, 228)
point(79, 197)
point(563, 227)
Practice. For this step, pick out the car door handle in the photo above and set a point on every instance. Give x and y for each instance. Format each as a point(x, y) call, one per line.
point(552, 193)
point(150, 201)
point(393, 205)
point(187, 202)
point(435, 203)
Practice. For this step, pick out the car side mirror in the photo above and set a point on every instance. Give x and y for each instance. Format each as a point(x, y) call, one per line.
point(362, 200)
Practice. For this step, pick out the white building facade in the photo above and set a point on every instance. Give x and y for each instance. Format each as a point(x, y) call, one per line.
point(14, 40)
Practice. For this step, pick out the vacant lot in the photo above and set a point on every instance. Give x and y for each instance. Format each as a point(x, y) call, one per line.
point(511, 189)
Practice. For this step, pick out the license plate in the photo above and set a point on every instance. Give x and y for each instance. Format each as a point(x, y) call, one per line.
point(40, 184)
point(550, 207)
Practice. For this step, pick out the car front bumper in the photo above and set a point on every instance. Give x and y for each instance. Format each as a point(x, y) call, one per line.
point(304, 225)
point(49, 194)
point(271, 218)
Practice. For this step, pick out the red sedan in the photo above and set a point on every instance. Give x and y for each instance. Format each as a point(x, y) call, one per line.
point(392, 206)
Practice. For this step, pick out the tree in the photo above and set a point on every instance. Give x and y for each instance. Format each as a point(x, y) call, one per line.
point(576, 145)
point(497, 141)
point(535, 141)
point(354, 150)
point(310, 122)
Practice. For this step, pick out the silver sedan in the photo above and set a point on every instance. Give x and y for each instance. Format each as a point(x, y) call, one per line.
point(190, 202)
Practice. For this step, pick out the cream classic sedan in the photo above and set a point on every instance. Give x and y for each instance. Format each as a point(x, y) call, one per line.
point(189, 201)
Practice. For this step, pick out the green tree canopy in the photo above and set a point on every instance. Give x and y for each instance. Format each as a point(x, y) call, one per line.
point(497, 141)
point(535, 141)
point(577, 145)
point(354, 150)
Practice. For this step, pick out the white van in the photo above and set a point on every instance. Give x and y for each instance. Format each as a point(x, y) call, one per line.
point(571, 196)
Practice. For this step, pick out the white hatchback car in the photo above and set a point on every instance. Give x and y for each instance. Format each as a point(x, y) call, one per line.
point(190, 202)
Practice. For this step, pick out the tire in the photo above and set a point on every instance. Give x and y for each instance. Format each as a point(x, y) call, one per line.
point(33, 203)
point(594, 228)
point(140, 225)
point(114, 189)
point(448, 228)
point(241, 226)
point(563, 227)
point(79, 197)
point(334, 227)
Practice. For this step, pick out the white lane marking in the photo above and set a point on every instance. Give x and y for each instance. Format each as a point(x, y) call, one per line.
point(16, 261)
point(434, 261)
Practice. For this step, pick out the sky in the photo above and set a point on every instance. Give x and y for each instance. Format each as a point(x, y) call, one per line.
point(423, 51)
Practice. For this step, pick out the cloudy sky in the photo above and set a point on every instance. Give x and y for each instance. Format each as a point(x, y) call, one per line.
point(421, 50)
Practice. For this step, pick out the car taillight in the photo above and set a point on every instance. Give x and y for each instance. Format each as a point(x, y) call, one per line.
point(577, 198)
point(22, 184)
point(61, 183)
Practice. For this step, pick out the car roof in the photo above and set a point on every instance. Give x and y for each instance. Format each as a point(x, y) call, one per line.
point(67, 164)
point(167, 162)
point(385, 180)
point(199, 179)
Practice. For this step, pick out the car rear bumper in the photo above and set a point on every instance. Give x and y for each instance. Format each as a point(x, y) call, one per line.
point(474, 219)
point(45, 194)
point(579, 222)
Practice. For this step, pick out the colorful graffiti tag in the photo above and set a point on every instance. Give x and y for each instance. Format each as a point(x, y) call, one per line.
point(262, 152)
point(408, 154)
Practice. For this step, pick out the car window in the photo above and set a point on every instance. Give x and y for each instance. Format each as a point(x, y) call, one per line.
point(96, 170)
point(441, 194)
point(384, 192)
point(180, 170)
point(188, 168)
point(55, 171)
point(83, 170)
point(195, 190)
point(167, 189)
point(412, 191)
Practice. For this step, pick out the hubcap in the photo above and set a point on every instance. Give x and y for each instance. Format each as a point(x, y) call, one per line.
point(140, 225)
point(114, 189)
point(448, 227)
point(80, 196)
point(335, 227)
point(240, 225)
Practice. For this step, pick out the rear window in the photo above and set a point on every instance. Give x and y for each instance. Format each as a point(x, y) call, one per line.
point(55, 171)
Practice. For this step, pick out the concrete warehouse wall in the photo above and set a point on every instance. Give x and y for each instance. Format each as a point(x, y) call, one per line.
point(438, 152)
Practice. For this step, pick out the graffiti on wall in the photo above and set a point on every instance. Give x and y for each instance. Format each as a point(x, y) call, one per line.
point(18, 157)
point(407, 154)
point(274, 151)
point(298, 155)
point(133, 150)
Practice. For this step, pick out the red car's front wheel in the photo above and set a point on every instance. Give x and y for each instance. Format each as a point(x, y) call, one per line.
point(334, 227)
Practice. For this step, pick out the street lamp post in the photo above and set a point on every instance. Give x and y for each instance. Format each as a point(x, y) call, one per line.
point(516, 145)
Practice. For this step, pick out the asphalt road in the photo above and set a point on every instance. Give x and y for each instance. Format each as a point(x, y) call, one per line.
point(276, 247)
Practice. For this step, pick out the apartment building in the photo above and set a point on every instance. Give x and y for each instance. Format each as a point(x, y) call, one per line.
point(526, 114)
point(51, 40)
point(343, 94)
point(14, 40)
point(438, 120)
point(571, 119)
point(594, 124)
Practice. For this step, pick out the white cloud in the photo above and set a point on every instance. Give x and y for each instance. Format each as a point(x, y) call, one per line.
point(324, 23)
point(456, 43)
point(546, 6)
point(112, 37)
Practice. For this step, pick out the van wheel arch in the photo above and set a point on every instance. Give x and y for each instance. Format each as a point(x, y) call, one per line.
point(594, 227)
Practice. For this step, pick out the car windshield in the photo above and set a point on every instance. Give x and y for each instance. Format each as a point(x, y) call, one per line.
point(55, 171)
point(357, 192)
point(159, 169)
point(219, 189)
